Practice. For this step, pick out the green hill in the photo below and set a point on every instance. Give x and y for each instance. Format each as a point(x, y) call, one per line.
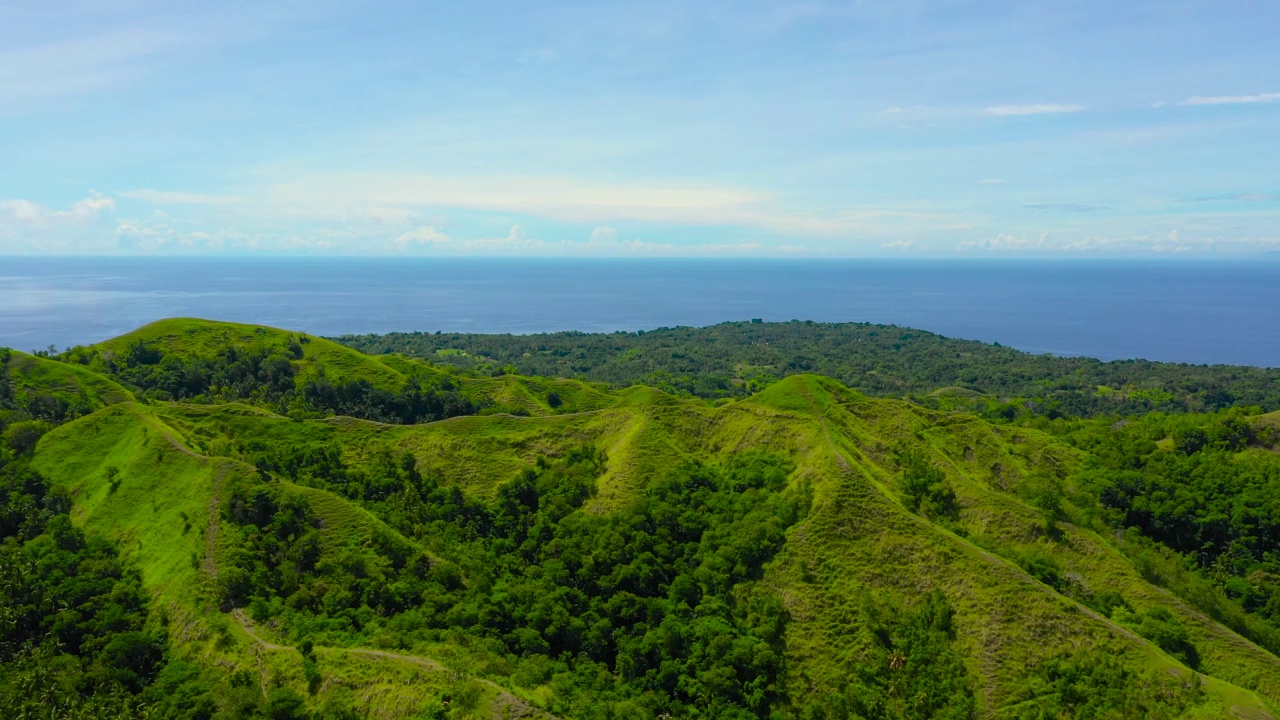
point(807, 551)
point(187, 339)
point(734, 359)
point(51, 389)
point(305, 376)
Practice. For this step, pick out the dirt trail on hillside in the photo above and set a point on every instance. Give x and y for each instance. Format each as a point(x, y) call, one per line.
point(211, 529)
point(247, 625)
point(177, 445)
point(347, 419)
point(506, 704)
point(208, 564)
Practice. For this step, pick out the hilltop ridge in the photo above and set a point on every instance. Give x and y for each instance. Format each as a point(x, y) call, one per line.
point(733, 359)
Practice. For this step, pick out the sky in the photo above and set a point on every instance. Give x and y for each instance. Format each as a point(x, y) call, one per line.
point(894, 128)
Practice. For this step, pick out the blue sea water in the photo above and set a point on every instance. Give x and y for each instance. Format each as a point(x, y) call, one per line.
point(1181, 311)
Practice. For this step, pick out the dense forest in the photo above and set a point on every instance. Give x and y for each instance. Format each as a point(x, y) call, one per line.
point(653, 607)
point(1206, 488)
point(189, 529)
point(736, 359)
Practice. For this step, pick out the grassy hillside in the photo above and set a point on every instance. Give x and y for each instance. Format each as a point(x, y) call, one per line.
point(734, 359)
point(187, 338)
point(855, 556)
point(51, 389)
point(304, 376)
point(133, 478)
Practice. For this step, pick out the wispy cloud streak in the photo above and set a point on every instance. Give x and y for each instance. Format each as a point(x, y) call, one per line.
point(1038, 109)
point(1232, 99)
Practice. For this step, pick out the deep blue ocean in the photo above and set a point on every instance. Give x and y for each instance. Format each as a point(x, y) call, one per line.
point(1181, 311)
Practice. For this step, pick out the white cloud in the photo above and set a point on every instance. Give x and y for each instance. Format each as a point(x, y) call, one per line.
point(603, 235)
point(27, 227)
point(402, 199)
point(1046, 242)
point(898, 245)
point(559, 197)
point(1232, 99)
point(992, 181)
point(168, 197)
point(1003, 241)
point(1172, 242)
point(138, 237)
point(1039, 109)
point(422, 236)
point(1162, 248)
point(29, 214)
point(603, 241)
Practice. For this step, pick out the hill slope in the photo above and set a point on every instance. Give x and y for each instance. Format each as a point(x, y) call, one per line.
point(733, 359)
point(53, 390)
point(808, 551)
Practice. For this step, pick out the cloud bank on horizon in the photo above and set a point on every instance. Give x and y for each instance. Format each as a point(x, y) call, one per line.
point(928, 128)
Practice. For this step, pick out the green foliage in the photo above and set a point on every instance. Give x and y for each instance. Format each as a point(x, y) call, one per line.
point(20, 438)
point(1094, 685)
point(181, 690)
point(660, 578)
point(1164, 629)
point(414, 404)
point(739, 358)
point(34, 388)
point(1045, 493)
point(268, 374)
point(662, 598)
point(1214, 506)
point(77, 633)
point(73, 617)
point(924, 484)
point(6, 385)
point(913, 671)
point(285, 704)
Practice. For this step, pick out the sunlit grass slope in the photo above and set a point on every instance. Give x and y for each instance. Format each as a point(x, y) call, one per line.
point(133, 478)
point(190, 338)
point(151, 477)
point(187, 339)
point(859, 538)
point(71, 383)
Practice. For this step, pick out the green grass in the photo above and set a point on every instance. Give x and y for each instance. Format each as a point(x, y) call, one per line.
point(163, 513)
point(994, 516)
point(189, 338)
point(31, 374)
point(859, 542)
point(156, 486)
point(858, 539)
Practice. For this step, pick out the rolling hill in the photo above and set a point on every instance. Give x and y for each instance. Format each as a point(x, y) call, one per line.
point(734, 359)
point(867, 556)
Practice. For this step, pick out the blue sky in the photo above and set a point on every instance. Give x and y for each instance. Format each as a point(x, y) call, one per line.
point(901, 128)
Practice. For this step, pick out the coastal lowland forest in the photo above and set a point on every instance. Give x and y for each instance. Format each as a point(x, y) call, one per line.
point(207, 520)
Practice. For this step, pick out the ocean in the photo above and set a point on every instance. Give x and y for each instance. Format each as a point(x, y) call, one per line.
point(1173, 310)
